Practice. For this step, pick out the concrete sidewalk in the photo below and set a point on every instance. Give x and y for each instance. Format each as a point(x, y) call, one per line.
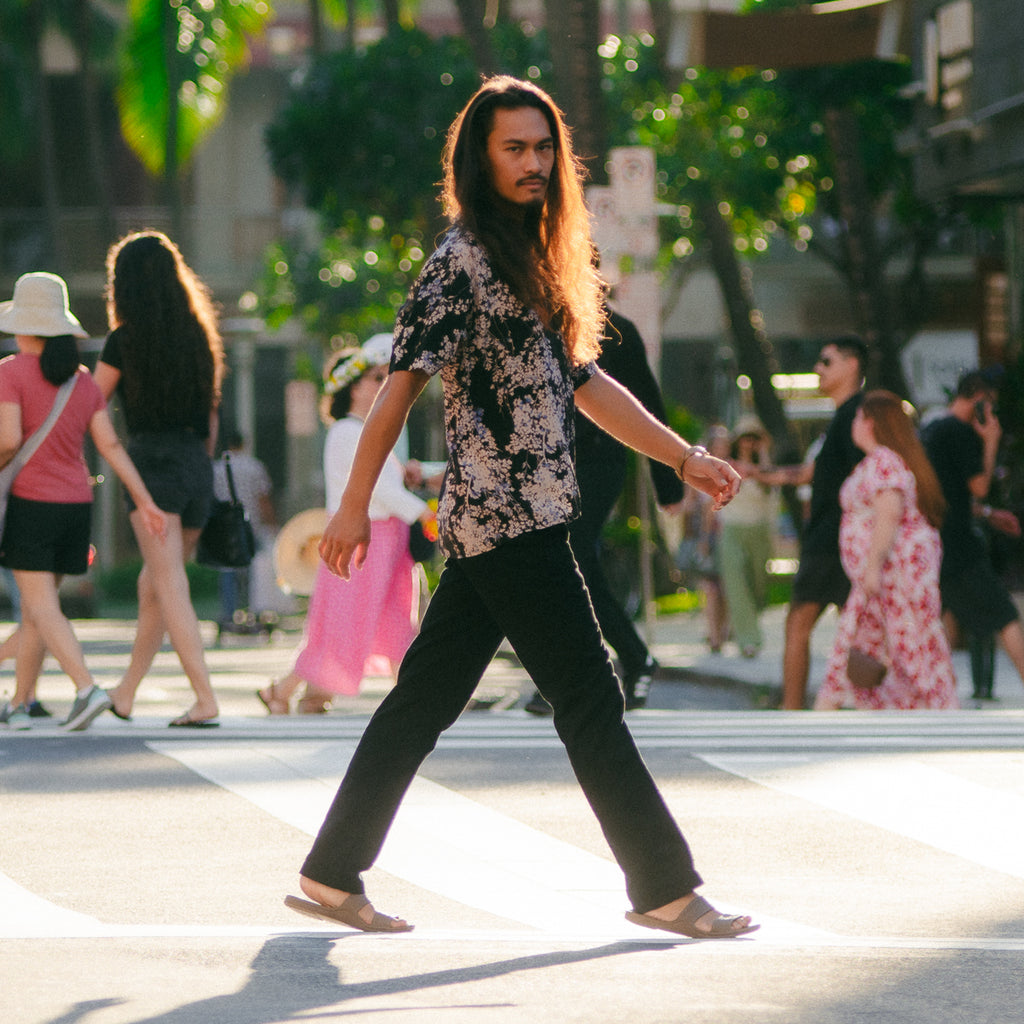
point(679, 646)
point(690, 676)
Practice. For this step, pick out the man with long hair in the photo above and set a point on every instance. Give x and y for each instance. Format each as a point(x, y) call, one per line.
point(507, 310)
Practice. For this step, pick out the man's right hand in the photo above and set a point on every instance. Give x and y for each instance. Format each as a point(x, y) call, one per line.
point(345, 542)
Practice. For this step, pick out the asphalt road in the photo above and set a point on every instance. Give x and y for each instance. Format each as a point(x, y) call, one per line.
point(142, 872)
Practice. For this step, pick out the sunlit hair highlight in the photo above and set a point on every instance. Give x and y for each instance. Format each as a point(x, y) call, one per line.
point(894, 428)
point(561, 281)
point(172, 350)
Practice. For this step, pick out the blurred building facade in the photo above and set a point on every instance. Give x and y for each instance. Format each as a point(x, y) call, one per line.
point(969, 139)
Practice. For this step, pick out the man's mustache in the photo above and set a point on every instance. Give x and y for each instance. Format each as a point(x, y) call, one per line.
point(538, 178)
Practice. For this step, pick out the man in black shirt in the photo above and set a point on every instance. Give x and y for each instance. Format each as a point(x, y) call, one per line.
point(820, 579)
point(962, 447)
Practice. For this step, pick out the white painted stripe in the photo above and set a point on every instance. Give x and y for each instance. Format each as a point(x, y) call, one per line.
point(441, 841)
point(910, 798)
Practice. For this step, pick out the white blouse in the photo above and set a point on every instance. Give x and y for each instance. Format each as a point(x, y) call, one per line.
point(390, 496)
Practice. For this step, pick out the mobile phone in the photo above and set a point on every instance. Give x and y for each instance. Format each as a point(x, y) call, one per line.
point(979, 413)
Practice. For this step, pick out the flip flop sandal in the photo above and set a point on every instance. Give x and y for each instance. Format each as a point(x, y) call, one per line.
point(686, 922)
point(186, 721)
point(348, 913)
point(275, 705)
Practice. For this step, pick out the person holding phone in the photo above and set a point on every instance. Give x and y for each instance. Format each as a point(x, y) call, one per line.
point(962, 447)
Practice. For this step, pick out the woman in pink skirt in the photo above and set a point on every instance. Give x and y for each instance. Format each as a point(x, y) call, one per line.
point(889, 543)
point(366, 623)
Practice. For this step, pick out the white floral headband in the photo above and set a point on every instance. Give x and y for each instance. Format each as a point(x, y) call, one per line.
point(376, 352)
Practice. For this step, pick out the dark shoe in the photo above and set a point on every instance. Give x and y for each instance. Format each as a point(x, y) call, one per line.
point(636, 686)
point(36, 710)
point(537, 705)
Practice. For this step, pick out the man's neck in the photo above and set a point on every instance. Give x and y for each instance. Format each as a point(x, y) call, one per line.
point(844, 395)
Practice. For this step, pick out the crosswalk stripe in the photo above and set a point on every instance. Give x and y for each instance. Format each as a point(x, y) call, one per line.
point(442, 841)
point(907, 797)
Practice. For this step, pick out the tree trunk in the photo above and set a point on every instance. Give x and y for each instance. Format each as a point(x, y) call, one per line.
point(171, 185)
point(316, 28)
point(391, 14)
point(574, 32)
point(870, 296)
point(473, 16)
point(94, 130)
point(47, 146)
point(754, 355)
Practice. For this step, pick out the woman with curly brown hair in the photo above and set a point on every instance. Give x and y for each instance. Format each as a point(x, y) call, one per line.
point(164, 358)
point(889, 543)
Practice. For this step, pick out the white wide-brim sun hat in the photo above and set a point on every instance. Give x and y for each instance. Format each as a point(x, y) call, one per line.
point(377, 349)
point(40, 308)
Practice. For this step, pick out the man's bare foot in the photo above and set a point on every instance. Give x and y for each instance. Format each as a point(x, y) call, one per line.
point(328, 897)
point(711, 922)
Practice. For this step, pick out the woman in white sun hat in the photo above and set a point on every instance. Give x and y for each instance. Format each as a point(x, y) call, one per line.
point(372, 618)
point(46, 531)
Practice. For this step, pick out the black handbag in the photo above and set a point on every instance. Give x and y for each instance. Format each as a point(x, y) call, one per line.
point(421, 547)
point(227, 540)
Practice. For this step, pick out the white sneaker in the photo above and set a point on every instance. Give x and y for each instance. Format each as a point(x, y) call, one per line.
point(17, 718)
point(86, 707)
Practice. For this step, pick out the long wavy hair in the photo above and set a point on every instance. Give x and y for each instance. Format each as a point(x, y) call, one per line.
point(895, 429)
point(561, 281)
point(172, 350)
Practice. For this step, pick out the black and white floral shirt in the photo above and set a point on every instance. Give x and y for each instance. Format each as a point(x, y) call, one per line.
point(508, 400)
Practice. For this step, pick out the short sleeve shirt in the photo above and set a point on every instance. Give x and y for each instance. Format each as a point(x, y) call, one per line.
point(508, 400)
point(956, 453)
point(834, 463)
point(57, 472)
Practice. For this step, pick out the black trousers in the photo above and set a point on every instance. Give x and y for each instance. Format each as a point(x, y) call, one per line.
point(601, 480)
point(530, 590)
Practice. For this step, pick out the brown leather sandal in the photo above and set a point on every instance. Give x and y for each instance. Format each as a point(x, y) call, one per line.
point(315, 702)
point(275, 705)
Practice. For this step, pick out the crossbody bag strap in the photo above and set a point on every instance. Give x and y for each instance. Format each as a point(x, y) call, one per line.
point(31, 446)
point(231, 478)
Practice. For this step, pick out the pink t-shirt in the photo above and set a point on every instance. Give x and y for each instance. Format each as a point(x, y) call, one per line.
point(57, 471)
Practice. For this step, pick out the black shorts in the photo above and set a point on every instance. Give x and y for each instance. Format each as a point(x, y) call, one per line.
point(820, 579)
point(978, 598)
point(46, 536)
point(177, 472)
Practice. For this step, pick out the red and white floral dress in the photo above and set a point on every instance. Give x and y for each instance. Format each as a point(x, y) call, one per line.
point(902, 625)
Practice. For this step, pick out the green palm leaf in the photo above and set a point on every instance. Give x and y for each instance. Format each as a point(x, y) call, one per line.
point(177, 59)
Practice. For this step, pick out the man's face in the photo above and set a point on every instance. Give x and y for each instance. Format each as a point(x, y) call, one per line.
point(837, 371)
point(521, 154)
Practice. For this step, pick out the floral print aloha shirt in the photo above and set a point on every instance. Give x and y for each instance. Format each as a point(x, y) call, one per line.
point(508, 400)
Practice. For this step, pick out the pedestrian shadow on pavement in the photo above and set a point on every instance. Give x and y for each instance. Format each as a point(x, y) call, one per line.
point(292, 975)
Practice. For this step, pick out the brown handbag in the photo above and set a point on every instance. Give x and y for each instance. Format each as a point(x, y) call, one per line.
point(864, 670)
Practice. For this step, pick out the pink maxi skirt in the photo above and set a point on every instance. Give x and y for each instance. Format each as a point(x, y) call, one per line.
point(363, 625)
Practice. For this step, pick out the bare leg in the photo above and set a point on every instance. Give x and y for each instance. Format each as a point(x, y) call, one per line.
point(796, 659)
point(1012, 637)
point(45, 627)
point(165, 574)
point(9, 648)
point(149, 638)
point(30, 654)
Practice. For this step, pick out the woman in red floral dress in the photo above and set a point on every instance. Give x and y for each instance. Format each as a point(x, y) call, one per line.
point(889, 543)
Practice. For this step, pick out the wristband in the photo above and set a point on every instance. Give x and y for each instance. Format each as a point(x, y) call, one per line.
point(694, 449)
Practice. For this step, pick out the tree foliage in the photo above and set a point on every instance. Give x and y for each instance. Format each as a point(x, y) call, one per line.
point(360, 141)
point(176, 60)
